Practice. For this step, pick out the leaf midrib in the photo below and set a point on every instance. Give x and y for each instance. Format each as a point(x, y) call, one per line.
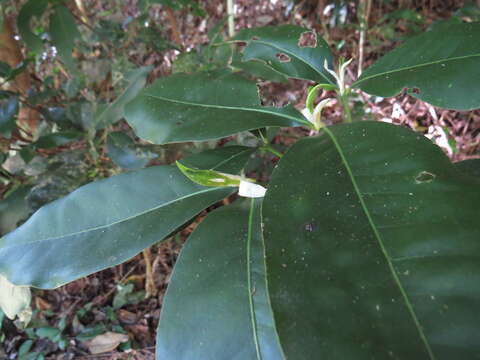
point(224, 107)
point(382, 246)
point(359, 81)
point(249, 281)
point(113, 223)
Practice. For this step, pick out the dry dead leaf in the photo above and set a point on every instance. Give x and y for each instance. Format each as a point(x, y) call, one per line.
point(42, 304)
point(127, 317)
point(15, 300)
point(106, 342)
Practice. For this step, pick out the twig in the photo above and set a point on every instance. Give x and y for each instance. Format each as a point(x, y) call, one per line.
point(150, 288)
point(82, 20)
point(320, 9)
point(269, 148)
point(363, 15)
point(81, 10)
point(174, 26)
point(231, 18)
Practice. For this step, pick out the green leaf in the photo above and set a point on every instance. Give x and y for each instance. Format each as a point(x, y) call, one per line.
point(125, 153)
point(8, 113)
point(471, 167)
point(225, 159)
point(372, 244)
point(20, 68)
point(50, 333)
point(58, 139)
point(216, 301)
point(209, 177)
point(27, 153)
point(33, 8)
point(102, 224)
point(115, 111)
point(258, 69)
point(440, 67)
point(25, 348)
point(5, 69)
point(280, 48)
point(64, 32)
point(203, 168)
point(312, 94)
point(81, 113)
point(13, 209)
point(126, 294)
point(203, 106)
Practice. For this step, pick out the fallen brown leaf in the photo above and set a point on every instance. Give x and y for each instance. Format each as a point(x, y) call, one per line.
point(106, 342)
point(42, 304)
point(127, 317)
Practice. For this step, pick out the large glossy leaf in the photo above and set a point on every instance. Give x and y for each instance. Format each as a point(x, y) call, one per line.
point(102, 224)
point(441, 67)
point(203, 106)
point(216, 306)
point(31, 9)
point(63, 32)
point(373, 248)
point(115, 111)
point(471, 167)
point(281, 48)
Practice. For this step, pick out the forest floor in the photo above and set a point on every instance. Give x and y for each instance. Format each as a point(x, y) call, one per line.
point(127, 299)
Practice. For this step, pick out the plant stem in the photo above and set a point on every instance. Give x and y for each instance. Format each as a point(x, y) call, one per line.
point(347, 114)
point(176, 36)
point(269, 148)
point(363, 15)
point(151, 289)
point(93, 152)
point(321, 19)
point(231, 19)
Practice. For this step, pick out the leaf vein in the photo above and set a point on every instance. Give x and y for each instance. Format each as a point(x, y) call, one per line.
point(359, 81)
point(113, 223)
point(224, 107)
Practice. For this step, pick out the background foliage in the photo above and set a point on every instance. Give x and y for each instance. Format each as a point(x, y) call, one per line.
point(75, 65)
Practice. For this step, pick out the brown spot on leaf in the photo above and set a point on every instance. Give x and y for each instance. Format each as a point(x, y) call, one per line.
point(424, 177)
point(308, 39)
point(282, 57)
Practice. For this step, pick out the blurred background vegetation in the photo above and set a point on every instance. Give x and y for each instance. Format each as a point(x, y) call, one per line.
point(67, 69)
